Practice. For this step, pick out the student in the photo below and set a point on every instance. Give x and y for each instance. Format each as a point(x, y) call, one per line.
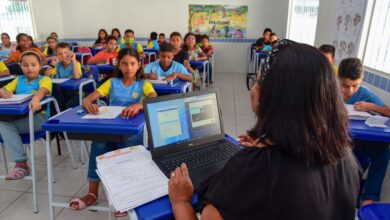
point(265, 40)
point(30, 82)
point(152, 42)
point(194, 52)
point(3, 69)
point(51, 48)
point(54, 34)
point(166, 67)
point(63, 66)
point(116, 33)
point(24, 44)
point(182, 57)
point(206, 46)
point(108, 55)
point(350, 77)
point(329, 52)
point(303, 154)
point(198, 40)
point(101, 40)
point(130, 43)
point(6, 44)
point(161, 38)
point(127, 88)
point(31, 42)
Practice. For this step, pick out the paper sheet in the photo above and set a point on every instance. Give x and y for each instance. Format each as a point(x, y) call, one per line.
point(58, 81)
point(16, 99)
point(356, 115)
point(160, 80)
point(131, 178)
point(106, 112)
point(377, 121)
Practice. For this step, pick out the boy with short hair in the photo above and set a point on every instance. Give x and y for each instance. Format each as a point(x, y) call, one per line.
point(350, 77)
point(161, 38)
point(129, 42)
point(167, 67)
point(263, 41)
point(329, 52)
point(106, 55)
point(152, 43)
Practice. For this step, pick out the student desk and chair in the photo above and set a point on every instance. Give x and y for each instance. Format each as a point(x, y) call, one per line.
point(83, 57)
point(203, 66)
point(150, 53)
point(4, 80)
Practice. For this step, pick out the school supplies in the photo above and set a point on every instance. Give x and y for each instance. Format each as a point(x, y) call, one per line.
point(356, 115)
point(16, 99)
point(59, 81)
point(130, 178)
point(377, 121)
point(105, 112)
point(160, 80)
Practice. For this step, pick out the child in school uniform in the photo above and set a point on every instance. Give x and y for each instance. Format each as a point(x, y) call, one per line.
point(128, 42)
point(166, 67)
point(63, 66)
point(350, 76)
point(25, 43)
point(208, 49)
point(101, 40)
point(108, 55)
point(117, 34)
point(3, 69)
point(329, 51)
point(128, 88)
point(195, 54)
point(152, 42)
point(51, 49)
point(161, 38)
point(30, 82)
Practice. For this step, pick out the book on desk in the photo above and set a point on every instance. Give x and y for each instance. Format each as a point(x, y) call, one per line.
point(15, 99)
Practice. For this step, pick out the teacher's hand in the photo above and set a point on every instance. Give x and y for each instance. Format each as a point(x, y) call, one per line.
point(246, 140)
point(180, 187)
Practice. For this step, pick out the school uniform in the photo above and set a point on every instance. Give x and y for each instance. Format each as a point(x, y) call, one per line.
point(119, 95)
point(175, 67)
point(378, 153)
point(10, 131)
point(153, 45)
point(135, 45)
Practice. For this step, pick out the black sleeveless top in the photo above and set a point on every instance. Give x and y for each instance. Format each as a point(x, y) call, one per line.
point(265, 184)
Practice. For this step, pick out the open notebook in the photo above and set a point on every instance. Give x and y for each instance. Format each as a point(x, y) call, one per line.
point(356, 115)
point(160, 80)
point(16, 99)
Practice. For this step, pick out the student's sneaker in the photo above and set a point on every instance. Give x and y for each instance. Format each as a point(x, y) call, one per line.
point(17, 173)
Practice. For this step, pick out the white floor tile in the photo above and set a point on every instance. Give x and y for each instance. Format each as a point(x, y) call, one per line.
point(7, 197)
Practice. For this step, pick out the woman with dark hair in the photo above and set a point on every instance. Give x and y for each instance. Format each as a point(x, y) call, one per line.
point(101, 40)
point(297, 163)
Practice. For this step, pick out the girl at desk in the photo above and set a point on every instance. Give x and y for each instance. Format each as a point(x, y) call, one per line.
point(25, 43)
point(51, 49)
point(30, 82)
point(194, 54)
point(128, 88)
point(101, 40)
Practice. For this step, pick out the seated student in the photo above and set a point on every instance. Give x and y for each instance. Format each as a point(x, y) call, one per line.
point(297, 164)
point(24, 44)
point(130, 43)
point(206, 46)
point(350, 77)
point(182, 57)
point(329, 51)
point(3, 69)
point(30, 82)
point(152, 42)
point(51, 48)
point(65, 65)
point(166, 67)
point(54, 34)
point(194, 52)
point(108, 55)
point(6, 44)
point(161, 38)
point(116, 33)
point(263, 41)
point(101, 40)
point(128, 88)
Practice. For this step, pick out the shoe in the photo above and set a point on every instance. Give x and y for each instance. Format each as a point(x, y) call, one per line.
point(81, 203)
point(17, 173)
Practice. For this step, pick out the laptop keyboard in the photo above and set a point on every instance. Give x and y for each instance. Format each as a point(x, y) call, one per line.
point(200, 158)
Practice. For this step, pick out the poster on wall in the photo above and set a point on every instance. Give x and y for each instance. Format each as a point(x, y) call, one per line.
point(348, 25)
point(218, 21)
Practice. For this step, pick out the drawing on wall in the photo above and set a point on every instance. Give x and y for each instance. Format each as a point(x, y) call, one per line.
point(222, 21)
point(348, 27)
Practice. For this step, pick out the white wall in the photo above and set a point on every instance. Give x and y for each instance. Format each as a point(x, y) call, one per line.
point(326, 14)
point(47, 17)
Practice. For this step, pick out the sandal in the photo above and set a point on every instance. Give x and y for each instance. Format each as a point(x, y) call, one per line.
point(17, 173)
point(81, 203)
point(120, 214)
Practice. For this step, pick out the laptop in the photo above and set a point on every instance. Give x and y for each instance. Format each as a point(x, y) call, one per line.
point(187, 128)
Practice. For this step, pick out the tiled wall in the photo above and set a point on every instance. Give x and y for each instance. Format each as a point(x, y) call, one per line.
point(379, 84)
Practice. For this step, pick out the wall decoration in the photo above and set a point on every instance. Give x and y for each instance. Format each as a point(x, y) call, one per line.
point(218, 21)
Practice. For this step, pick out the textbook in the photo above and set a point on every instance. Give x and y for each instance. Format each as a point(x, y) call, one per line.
point(16, 99)
point(130, 178)
point(356, 115)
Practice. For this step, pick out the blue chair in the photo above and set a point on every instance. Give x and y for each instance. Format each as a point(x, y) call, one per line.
point(375, 212)
point(14, 69)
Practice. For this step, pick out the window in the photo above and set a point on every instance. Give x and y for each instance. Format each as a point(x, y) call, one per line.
point(377, 53)
point(15, 18)
point(303, 20)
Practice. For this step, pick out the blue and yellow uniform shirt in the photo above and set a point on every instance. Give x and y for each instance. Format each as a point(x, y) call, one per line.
point(134, 45)
point(153, 45)
point(3, 67)
point(157, 69)
point(65, 72)
point(120, 95)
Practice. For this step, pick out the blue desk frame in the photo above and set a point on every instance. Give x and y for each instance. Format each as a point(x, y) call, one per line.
point(360, 131)
point(179, 87)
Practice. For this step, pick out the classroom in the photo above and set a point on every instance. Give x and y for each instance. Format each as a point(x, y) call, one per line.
point(195, 109)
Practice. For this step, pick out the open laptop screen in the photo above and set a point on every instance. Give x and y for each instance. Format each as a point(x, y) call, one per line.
point(184, 119)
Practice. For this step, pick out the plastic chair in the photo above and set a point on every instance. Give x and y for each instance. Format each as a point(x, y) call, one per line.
point(375, 212)
point(14, 69)
point(26, 139)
